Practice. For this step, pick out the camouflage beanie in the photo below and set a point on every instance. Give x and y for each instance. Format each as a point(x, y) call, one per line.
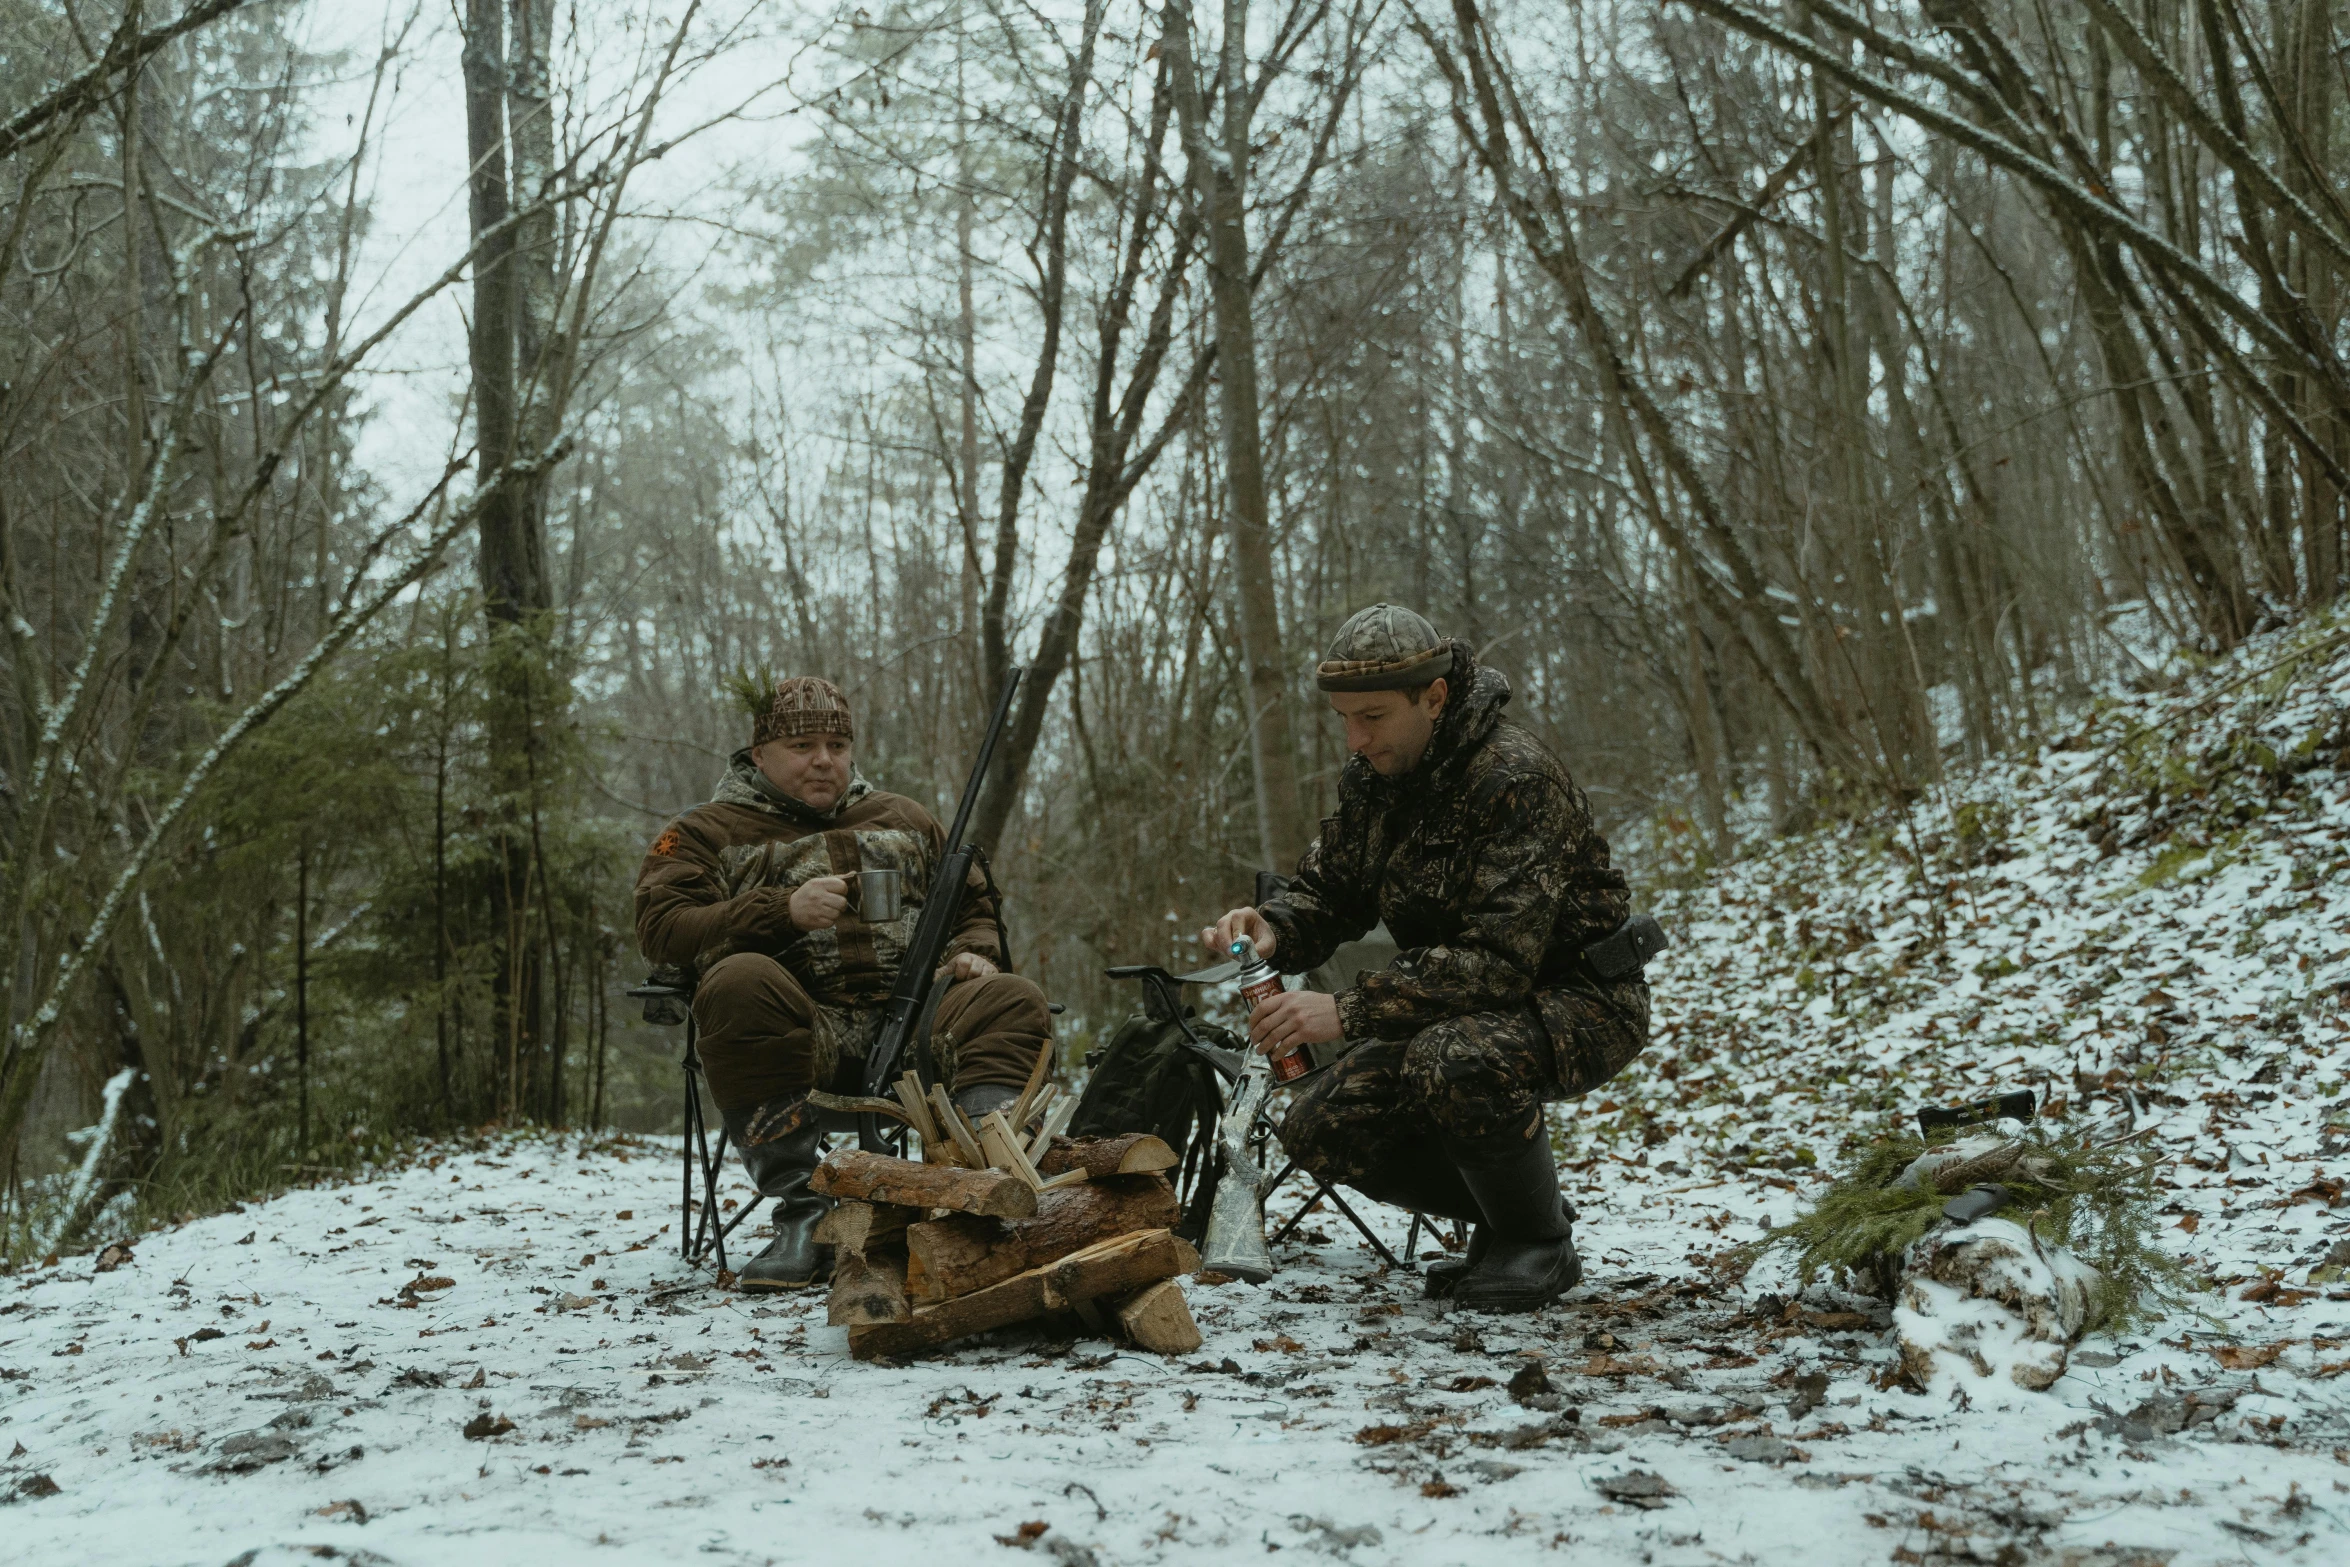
point(1384, 648)
point(803, 705)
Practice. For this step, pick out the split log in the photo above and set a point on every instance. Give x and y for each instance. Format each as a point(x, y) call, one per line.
point(955, 1256)
point(853, 1227)
point(950, 1121)
point(877, 1178)
point(1118, 1266)
point(867, 1289)
point(1137, 1153)
point(1159, 1319)
point(997, 1136)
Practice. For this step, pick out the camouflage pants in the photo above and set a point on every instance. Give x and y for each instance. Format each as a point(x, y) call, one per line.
point(1374, 1120)
point(765, 1042)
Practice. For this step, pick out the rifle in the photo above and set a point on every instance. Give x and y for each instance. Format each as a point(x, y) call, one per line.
point(1235, 1242)
point(939, 914)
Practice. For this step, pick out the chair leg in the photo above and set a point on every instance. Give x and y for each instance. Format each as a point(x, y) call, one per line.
point(692, 1125)
point(1411, 1238)
point(1274, 1184)
point(1356, 1220)
point(712, 1235)
point(1329, 1190)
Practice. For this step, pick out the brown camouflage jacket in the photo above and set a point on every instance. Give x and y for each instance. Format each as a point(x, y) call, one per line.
point(1484, 863)
point(719, 880)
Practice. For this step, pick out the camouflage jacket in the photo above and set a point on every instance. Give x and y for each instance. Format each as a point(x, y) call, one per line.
point(1484, 863)
point(719, 880)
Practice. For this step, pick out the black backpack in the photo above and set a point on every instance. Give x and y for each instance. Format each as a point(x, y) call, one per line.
point(1162, 1071)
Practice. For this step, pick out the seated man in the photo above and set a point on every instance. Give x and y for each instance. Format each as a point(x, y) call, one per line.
point(1465, 834)
point(751, 890)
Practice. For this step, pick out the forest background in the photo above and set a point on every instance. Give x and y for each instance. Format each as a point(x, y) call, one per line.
point(412, 418)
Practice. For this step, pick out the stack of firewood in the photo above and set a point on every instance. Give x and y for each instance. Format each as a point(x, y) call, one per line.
point(992, 1228)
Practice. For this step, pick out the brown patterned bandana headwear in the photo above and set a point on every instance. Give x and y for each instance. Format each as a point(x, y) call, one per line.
point(804, 705)
point(1384, 648)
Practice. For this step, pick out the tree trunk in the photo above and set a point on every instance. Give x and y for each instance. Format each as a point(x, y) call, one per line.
point(1218, 176)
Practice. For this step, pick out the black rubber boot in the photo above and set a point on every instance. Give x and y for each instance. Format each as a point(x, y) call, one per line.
point(1529, 1258)
point(977, 1100)
point(781, 1169)
point(1432, 1188)
point(1445, 1274)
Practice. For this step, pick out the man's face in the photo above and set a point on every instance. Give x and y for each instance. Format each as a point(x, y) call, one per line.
point(1388, 729)
point(813, 769)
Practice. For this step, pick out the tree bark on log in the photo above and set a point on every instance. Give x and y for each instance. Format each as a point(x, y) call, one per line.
point(1114, 1267)
point(876, 1178)
point(854, 1227)
point(1137, 1153)
point(868, 1289)
point(951, 1257)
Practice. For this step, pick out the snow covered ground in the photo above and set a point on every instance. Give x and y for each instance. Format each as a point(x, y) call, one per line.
point(495, 1354)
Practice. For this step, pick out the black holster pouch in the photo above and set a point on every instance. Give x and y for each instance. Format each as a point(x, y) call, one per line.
point(1625, 953)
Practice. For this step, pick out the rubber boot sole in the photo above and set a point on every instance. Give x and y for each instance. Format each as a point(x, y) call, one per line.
point(777, 1286)
point(1469, 1296)
point(1442, 1278)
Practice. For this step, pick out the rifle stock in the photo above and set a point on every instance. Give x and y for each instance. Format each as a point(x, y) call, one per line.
point(939, 914)
point(1235, 1241)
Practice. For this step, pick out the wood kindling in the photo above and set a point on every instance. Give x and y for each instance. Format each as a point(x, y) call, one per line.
point(951, 1120)
point(1036, 1077)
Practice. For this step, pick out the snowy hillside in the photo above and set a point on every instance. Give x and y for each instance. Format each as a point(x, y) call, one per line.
point(496, 1355)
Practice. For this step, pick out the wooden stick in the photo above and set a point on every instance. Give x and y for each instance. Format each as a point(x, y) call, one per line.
point(876, 1178)
point(1114, 1267)
point(854, 1227)
point(1159, 1319)
point(957, 1255)
point(998, 1151)
point(909, 1091)
point(868, 1290)
point(1038, 1112)
point(1010, 1141)
point(1137, 1153)
point(1036, 1074)
point(951, 1121)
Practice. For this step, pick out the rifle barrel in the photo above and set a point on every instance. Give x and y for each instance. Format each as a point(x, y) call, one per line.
point(972, 785)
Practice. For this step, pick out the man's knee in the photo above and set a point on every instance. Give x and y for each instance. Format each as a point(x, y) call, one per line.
point(757, 1031)
point(1009, 1002)
point(989, 1030)
point(1479, 1074)
point(745, 985)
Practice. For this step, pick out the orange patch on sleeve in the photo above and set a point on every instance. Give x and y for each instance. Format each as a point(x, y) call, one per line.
point(666, 843)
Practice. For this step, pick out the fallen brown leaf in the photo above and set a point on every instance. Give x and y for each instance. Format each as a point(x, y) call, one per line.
point(1388, 1436)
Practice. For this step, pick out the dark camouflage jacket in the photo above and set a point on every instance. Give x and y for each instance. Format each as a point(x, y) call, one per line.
point(1484, 863)
point(719, 880)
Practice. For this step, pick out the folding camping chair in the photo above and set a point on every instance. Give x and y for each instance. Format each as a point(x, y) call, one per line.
point(668, 994)
point(1163, 998)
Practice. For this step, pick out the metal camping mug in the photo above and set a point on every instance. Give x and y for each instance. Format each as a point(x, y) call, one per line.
point(875, 896)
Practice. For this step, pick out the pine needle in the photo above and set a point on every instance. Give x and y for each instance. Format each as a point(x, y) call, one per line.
point(2099, 1202)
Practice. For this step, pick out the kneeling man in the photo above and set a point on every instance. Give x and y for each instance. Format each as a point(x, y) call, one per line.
point(752, 891)
point(1466, 835)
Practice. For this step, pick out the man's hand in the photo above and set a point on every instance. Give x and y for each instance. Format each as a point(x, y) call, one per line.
point(1241, 922)
point(819, 904)
point(1295, 1017)
point(964, 965)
